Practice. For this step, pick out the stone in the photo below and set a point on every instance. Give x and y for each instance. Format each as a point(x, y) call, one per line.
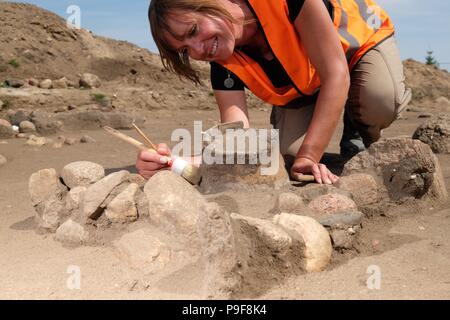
point(34, 141)
point(33, 82)
point(46, 84)
point(87, 139)
point(314, 190)
point(16, 117)
point(316, 244)
point(47, 197)
point(435, 132)
point(3, 160)
point(96, 193)
point(27, 126)
point(70, 141)
point(45, 123)
point(74, 198)
point(6, 130)
point(90, 81)
point(341, 239)
point(22, 136)
point(138, 179)
point(289, 202)
point(142, 251)
point(363, 188)
point(174, 204)
point(332, 203)
point(60, 83)
point(82, 173)
point(272, 236)
point(123, 208)
point(404, 168)
point(339, 219)
point(71, 233)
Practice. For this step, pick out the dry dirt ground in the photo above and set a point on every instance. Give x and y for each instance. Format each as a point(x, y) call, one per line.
point(409, 244)
point(413, 253)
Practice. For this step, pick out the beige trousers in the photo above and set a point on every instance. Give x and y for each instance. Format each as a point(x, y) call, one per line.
point(377, 95)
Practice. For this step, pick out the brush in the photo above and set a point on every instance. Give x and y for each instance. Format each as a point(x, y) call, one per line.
point(179, 166)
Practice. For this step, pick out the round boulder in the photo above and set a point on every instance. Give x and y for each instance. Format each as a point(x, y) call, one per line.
point(82, 173)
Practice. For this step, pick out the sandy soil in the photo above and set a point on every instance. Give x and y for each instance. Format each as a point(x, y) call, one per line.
point(413, 253)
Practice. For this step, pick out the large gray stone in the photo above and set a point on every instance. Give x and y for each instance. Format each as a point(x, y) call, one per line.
point(403, 168)
point(96, 193)
point(82, 173)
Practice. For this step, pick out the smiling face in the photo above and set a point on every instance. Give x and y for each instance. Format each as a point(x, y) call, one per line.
point(199, 36)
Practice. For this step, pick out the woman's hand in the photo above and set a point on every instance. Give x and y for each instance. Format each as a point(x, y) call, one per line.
point(148, 163)
point(318, 170)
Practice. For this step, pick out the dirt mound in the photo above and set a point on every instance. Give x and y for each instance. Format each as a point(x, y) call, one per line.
point(429, 84)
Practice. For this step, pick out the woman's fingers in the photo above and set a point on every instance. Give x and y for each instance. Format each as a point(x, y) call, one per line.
point(163, 149)
point(325, 173)
point(316, 173)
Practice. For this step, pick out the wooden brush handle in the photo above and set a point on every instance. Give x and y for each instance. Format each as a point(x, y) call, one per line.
point(128, 139)
point(303, 177)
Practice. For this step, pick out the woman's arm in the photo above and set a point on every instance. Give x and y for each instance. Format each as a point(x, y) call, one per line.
point(322, 44)
point(232, 105)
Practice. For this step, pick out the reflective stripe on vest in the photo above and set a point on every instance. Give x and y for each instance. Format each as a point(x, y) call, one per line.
point(361, 25)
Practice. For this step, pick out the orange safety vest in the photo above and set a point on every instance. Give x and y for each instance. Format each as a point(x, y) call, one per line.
point(361, 25)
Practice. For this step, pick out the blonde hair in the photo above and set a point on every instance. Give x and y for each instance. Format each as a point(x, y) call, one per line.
point(158, 13)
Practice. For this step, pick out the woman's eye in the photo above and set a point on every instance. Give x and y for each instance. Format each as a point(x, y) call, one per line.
point(193, 30)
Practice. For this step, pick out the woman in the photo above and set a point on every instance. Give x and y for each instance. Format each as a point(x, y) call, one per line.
point(309, 58)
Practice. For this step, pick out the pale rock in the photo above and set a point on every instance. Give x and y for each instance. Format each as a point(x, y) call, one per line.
point(82, 173)
point(46, 84)
point(316, 241)
point(70, 141)
point(290, 203)
point(27, 126)
point(363, 188)
point(143, 251)
point(89, 81)
point(173, 203)
point(87, 139)
point(47, 197)
point(71, 233)
point(96, 193)
point(266, 232)
point(34, 141)
point(138, 179)
point(60, 83)
point(332, 203)
point(314, 190)
point(122, 208)
point(74, 198)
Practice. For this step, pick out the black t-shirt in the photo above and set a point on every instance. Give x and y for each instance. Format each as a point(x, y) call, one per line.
point(272, 68)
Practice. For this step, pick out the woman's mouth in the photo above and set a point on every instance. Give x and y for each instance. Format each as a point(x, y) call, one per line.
point(213, 50)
